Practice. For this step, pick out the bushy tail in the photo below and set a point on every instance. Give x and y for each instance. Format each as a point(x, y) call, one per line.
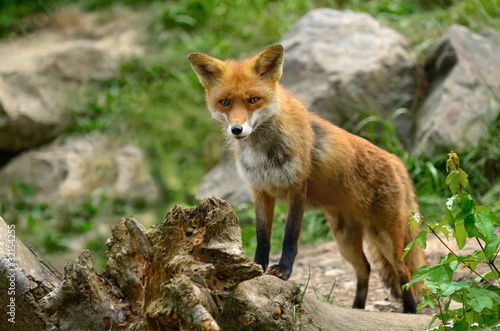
point(413, 261)
point(415, 258)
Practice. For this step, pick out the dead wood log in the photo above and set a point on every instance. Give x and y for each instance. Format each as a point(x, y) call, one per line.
point(187, 273)
point(25, 278)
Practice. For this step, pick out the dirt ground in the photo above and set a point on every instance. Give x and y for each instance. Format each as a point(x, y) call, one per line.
point(327, 267)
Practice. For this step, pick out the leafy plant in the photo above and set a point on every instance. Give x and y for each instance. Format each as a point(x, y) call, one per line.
point(465, 220)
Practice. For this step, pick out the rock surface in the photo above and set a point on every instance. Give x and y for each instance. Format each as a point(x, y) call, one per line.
point(464, 72)
point(33, 98)
point(341, 63)
point(77, 166)
point(39, 71)
point(223, 181)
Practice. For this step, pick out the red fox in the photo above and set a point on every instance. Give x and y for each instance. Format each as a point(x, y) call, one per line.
point(288, 153)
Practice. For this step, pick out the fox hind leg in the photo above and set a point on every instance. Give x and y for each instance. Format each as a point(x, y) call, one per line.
point(348, 234)
point(389, 245)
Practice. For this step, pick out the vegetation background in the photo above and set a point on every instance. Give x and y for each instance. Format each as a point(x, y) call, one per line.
point(158, 101)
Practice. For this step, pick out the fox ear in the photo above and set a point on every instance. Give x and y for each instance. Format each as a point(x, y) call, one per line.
point(208, 68)
point(269, 62)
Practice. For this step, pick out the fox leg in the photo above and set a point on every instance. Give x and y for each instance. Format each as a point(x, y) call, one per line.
point(404, 276)
point(293, 229)
point(390, 243)
point(348, 234)
point(264, 213)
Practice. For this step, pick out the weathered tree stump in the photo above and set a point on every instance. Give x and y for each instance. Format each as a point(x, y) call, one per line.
point(188, 273)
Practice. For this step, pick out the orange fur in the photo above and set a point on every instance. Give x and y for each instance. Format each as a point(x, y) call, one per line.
point(287, 153)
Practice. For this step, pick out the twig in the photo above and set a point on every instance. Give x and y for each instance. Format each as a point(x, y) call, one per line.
point(442, 315)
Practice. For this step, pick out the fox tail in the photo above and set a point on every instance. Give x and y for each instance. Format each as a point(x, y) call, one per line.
point(413, 261)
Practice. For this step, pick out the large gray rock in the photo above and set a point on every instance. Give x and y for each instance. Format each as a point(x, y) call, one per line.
point(223, 181)
point(341, 63)
point(464, 72)
point(33, 96)
point(79, 165)
point(38, 71)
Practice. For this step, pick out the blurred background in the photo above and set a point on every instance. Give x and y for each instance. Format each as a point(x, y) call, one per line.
point(102, 117)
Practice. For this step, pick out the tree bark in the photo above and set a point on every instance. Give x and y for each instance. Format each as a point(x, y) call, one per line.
point(187, 273)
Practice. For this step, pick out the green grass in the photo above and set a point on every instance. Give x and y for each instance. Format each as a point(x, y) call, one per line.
point(50, 228)
point(157, 101)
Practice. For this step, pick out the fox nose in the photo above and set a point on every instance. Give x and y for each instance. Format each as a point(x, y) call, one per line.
point(236, 130)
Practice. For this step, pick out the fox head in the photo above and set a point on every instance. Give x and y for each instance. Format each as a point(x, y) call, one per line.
point(243, 94)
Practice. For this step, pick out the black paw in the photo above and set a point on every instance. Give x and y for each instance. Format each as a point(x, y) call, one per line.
point(280, 271)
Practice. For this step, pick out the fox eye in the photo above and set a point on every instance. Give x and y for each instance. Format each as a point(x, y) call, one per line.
point(253, 100)
point(224, 103)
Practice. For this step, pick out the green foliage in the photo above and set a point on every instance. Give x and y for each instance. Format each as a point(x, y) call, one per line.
point(51, 227)
point(21, 16)
point(102, 4)
point(482, 163)
point(479, 299)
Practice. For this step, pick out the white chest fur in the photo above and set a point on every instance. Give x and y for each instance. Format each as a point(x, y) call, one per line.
point(267, 163)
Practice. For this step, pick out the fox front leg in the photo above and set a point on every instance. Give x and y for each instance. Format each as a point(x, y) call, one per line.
point(293, 229)
point(264, 213)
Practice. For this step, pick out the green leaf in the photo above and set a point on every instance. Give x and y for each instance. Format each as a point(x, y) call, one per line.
point(450, 218)
point(487, 276)
point(460, 325)
point(448, 259)
point(415, 219)
point(25, 189)
point(31, 221)
point(450, 201)
point(444, 227)
point(453, 181)
point(407, 249)
point(472, 259)
point(470, 227)
point(492, 247)
point(434, 273)
point(483, 208)
point(428, 301)
point(453, 265)
point(485, 222)
point(450, 287)
point(467, 206)
point(466, 202)
point(463, 178)
point(422, 239)
point(481, 298)
point(460, 234)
